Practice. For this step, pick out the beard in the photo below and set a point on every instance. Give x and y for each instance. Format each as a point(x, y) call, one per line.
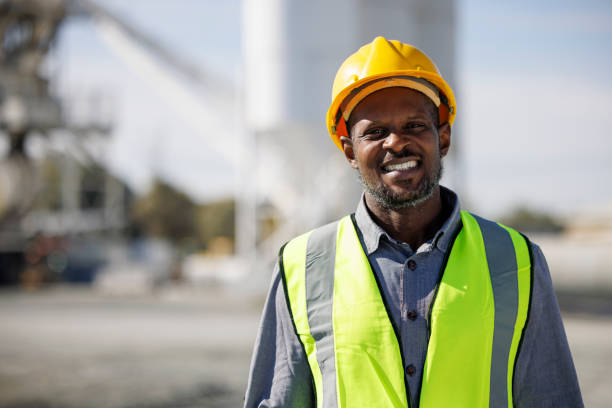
point(390, 200)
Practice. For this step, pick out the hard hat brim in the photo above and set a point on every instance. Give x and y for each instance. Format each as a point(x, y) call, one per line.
point(437, 80)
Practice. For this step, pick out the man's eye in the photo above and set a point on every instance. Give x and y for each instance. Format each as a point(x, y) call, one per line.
point(415, 125)
point(375, 133)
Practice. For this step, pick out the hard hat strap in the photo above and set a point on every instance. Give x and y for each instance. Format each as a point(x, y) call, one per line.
point(341, 128)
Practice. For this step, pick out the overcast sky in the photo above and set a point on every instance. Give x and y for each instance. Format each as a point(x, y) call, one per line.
point(534, 98)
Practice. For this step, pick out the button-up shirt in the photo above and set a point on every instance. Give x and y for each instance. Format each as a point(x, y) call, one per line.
point(544, 375)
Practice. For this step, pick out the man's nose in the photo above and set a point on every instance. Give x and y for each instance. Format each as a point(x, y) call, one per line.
point(396, 142)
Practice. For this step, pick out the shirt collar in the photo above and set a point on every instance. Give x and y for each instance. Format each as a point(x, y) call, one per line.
point(372, 232)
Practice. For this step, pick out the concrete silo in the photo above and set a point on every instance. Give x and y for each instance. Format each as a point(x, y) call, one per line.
point(292, 50)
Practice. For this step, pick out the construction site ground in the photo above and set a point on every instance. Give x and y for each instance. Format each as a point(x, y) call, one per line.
point(72, 347)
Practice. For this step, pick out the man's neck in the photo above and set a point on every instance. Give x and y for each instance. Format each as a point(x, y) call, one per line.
point(413, 225)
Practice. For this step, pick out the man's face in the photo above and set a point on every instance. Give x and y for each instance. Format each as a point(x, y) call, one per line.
point(397, 147)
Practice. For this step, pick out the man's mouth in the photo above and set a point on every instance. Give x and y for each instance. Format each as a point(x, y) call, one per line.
point(402, 166)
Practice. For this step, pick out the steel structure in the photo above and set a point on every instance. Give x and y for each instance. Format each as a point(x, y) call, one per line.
point(293, 178)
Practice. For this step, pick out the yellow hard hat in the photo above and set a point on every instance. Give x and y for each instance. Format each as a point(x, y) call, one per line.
point(384, 64)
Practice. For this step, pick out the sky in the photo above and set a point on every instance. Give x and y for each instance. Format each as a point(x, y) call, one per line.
point(533, 99)
point(533, 78)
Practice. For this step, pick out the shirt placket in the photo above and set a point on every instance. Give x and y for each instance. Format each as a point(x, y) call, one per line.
point(408, 330)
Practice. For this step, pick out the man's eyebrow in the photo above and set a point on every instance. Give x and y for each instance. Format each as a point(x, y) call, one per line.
point(367, 121)
point(352, 124)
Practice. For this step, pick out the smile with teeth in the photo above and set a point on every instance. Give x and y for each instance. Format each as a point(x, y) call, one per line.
point(407, 165)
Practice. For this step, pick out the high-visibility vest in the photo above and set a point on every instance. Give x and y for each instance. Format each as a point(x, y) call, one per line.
point(476, 319)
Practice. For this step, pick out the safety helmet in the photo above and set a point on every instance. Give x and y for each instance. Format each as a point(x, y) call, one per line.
point(384, 64)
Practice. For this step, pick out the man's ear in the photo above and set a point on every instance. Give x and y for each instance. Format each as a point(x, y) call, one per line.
point(444, 137)
point(349, 152)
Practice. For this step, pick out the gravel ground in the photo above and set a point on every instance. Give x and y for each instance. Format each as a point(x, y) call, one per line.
point(71, 347)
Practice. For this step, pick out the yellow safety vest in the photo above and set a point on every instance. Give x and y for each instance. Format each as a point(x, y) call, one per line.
point(476, 319)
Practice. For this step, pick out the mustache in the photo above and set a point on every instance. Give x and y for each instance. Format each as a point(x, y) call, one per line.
point(406, 152)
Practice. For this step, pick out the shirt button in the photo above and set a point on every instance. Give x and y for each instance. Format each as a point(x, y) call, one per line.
point(412, 265)
point(412, 315)
point(411, 370)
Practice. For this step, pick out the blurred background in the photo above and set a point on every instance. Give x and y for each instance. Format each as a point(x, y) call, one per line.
point(155, 155)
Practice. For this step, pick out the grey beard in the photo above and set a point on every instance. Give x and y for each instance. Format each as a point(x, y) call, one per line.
point(391, 201)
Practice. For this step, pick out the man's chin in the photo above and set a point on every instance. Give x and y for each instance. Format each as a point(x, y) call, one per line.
point(393, 200)
point(398, 196)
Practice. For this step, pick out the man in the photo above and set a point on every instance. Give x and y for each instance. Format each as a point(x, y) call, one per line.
point(410, 302)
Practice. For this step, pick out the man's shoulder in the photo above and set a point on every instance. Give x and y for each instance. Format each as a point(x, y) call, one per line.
point(493, 228)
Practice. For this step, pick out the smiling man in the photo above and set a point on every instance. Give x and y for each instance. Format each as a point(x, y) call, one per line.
point(397, 147)
point(410, 301)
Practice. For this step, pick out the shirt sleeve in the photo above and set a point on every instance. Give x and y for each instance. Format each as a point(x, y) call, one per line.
point(545, 375)
point(280, 374)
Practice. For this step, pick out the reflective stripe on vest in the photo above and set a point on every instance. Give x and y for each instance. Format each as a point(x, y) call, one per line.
point(476, 319)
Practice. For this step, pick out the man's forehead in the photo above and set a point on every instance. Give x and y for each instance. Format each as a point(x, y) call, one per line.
point(391, 101)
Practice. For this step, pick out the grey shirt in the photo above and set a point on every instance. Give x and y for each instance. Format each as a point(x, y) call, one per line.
point(544, 376)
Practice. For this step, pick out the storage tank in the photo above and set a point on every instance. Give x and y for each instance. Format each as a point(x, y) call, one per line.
point(292, 50)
